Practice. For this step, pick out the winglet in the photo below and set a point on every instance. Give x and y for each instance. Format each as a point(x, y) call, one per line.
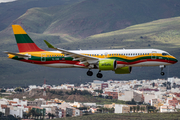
point(48, 44)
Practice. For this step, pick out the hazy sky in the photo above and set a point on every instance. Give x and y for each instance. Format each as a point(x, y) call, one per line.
point(3, 1)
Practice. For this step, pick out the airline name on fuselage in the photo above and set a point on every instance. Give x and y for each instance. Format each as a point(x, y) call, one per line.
point(106, 64)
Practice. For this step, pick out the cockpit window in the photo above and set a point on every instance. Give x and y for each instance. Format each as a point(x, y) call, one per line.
point(165, 54)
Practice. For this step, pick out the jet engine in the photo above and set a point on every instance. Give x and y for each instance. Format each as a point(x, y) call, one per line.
point(107, 64)
point(123, 70)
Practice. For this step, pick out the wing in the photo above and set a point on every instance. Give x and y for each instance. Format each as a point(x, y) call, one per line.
point(16, 54)
point(86, 60)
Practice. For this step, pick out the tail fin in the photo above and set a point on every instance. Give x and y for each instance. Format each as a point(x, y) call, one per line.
point(24, 42)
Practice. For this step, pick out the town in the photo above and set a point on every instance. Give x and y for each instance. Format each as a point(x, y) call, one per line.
point(141, 96)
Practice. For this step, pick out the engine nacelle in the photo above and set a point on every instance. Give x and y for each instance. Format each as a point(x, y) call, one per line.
point(107, 64)
point(123, 70)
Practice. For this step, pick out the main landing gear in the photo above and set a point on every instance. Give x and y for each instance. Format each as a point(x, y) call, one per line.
point(99, 75)
point(90, 73)
point(162, 67)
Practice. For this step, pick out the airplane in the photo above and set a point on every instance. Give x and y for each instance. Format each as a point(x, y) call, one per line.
point(120, 61)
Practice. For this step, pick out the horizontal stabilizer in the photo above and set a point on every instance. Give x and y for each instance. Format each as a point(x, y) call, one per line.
point(16, 54)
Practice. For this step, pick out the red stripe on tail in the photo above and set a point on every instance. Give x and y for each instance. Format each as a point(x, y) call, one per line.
point(28, 47)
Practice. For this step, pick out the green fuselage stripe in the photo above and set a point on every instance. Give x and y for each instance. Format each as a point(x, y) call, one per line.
point(23, 38)
point(116, 58)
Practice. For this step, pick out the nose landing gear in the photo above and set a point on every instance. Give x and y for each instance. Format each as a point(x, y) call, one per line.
point(162, 67)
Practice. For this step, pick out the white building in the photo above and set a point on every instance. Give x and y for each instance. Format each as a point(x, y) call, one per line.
point(77, 112)
point(75, 104)
point(18, 112)
point(121, 108)
point(20, 102)
point(96, 85)
point(148, 97)
point(89, 104)
point(126, 96)
point(166, 108)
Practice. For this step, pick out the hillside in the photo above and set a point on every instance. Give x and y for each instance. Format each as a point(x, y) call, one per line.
point(52, 94)
point(91, 17)
point(12, 10)
point(75, 26)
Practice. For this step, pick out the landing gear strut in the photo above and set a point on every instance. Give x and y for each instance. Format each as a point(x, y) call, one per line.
point(162, 67)
point(99, 75)
point(89, 73)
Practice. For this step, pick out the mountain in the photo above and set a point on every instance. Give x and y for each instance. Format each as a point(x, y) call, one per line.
point(91, 17)
point(12, 10)
point(93, 24)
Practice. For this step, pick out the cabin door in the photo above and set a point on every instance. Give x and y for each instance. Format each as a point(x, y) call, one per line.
point(43, 57)
point(105, 54)
point(153, 55)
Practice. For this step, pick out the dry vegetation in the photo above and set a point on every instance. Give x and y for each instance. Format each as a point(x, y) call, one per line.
point(128, 116)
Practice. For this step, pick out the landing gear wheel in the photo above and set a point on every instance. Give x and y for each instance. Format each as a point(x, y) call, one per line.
point(89, 73)
point(162, 73)
point(99, 75)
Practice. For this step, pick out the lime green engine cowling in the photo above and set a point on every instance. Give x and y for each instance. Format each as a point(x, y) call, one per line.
point(107, 64)
point(123, 70)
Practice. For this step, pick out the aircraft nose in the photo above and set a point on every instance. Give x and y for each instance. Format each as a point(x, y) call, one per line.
point(175, 60)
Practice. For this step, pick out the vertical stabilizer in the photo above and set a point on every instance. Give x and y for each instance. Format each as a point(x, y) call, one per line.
point(24, 42)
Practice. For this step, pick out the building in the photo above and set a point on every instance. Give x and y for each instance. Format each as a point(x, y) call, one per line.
point(173, 102)
point(104, 85)
point(126, 96)
point(76, 104)
point(121, 108)
point(63, 113)
point(113, 94)
point(90, 104)
point(138, 96)
point(97, 84)
point(166, 108)
point(148, 97)
point(37, 102)
point(73, 112)
point(154, 102)
point(109, 105)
